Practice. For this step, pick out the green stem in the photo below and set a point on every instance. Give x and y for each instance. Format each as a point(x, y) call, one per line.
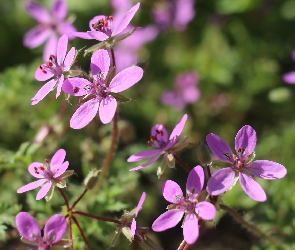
point(81, 232)
point(108, 158)
point(249, 226)
point(96, 217)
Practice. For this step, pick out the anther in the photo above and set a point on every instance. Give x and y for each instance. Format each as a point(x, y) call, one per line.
point(75, 89)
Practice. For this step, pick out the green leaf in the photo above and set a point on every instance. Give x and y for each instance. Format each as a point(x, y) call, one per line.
point(120, 98)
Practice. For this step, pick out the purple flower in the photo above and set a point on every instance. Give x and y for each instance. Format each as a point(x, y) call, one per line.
point(134, 228)
point(241, 165)
point(99, 90)
point(50, 175)
point(55, 67)
point(290, 77)
point(49, 26)
point(176, 13)
point(185, 91)
point(188, 206)
point(159, 140)
point(54, 230)
point(104, 27)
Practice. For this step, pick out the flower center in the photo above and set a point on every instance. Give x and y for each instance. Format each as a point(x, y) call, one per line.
point(156, 140)
point(43, 170)
point(104, 25)
point(51, 66)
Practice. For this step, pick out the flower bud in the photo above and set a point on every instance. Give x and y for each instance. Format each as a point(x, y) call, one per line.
point(91, 179)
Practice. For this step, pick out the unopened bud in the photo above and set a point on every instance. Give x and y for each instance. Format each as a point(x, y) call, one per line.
point(91, 179)
point(203, 153)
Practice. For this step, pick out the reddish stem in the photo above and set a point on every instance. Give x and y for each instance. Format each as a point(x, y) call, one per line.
point(65, 198)
point(79, 198)
point(81, 232)
point(96, 217)
point(182, 164)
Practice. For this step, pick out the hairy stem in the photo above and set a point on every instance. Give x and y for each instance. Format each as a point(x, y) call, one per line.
point(65, 198)
point(81, 232)
point(79, 198)
point(249, 226)
point(182, 245)
point(97, 217)
point(71, 234)
point(182, 164)
point(108, 158)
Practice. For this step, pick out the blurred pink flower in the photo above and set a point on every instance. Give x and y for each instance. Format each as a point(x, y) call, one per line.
point(50, 25)
point(185, 91)
point(290, 77)
point(174, 13)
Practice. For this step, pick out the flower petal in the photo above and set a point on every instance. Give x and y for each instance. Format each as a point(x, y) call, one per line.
point(246, 139)
point(219, 147)
point(41, 76)
point(160, 132)
point(172, 192)
point(33, 167)
point(98, 35)
point(84, 114)
point(38, 12)
point(31, 186)
point(252, 188)
point(44, 190)
point(151, 161)
point(58, 158)
point(178, 128)
point(125, 79)
point(267, 169)
point(220, 181)
point(83, 35)
point(190, 229)
point(121, 24)
point(36, 36)
point(60, 169)
point(65, 28)
point(144, 155)
point(77, 86)
point(140, 203)
point(289, 77)
point(59, 10)
point(62, 46)
point(100, 63)
point(50, 47)
point(107, 109)
point(44, 91)
point(27, 226)
point(205, 210)
point(69, 59)
point(133, 228)
point(59, 85)
point(195, 182)
point(167, 220)
point(55, 229)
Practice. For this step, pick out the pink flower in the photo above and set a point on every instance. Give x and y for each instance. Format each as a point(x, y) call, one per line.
point(290, 77)
point(50, 25)
point(55, 67)
point(54, 230)
point(159, 140)
point(99, 90)
point(188, 206)
point(185, 91)
point(50, 175)
point(242, 165)
point(134, 228)
point(104, 27)
point(176, 14)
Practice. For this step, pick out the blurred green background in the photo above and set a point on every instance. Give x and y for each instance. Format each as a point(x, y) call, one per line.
point(239, 48)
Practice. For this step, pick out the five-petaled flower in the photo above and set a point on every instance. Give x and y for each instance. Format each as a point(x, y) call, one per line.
point(159, 139)
point(190, 206)
point(49, 26)
point(54, 230)
point(104, 27)
point(99, 90)
point(242, 165)
point(55, 67)
point(51, 175)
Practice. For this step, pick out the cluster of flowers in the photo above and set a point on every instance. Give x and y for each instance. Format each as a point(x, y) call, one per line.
point(99, 93)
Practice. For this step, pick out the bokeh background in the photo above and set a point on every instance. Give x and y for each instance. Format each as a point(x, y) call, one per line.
point(240, 50)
